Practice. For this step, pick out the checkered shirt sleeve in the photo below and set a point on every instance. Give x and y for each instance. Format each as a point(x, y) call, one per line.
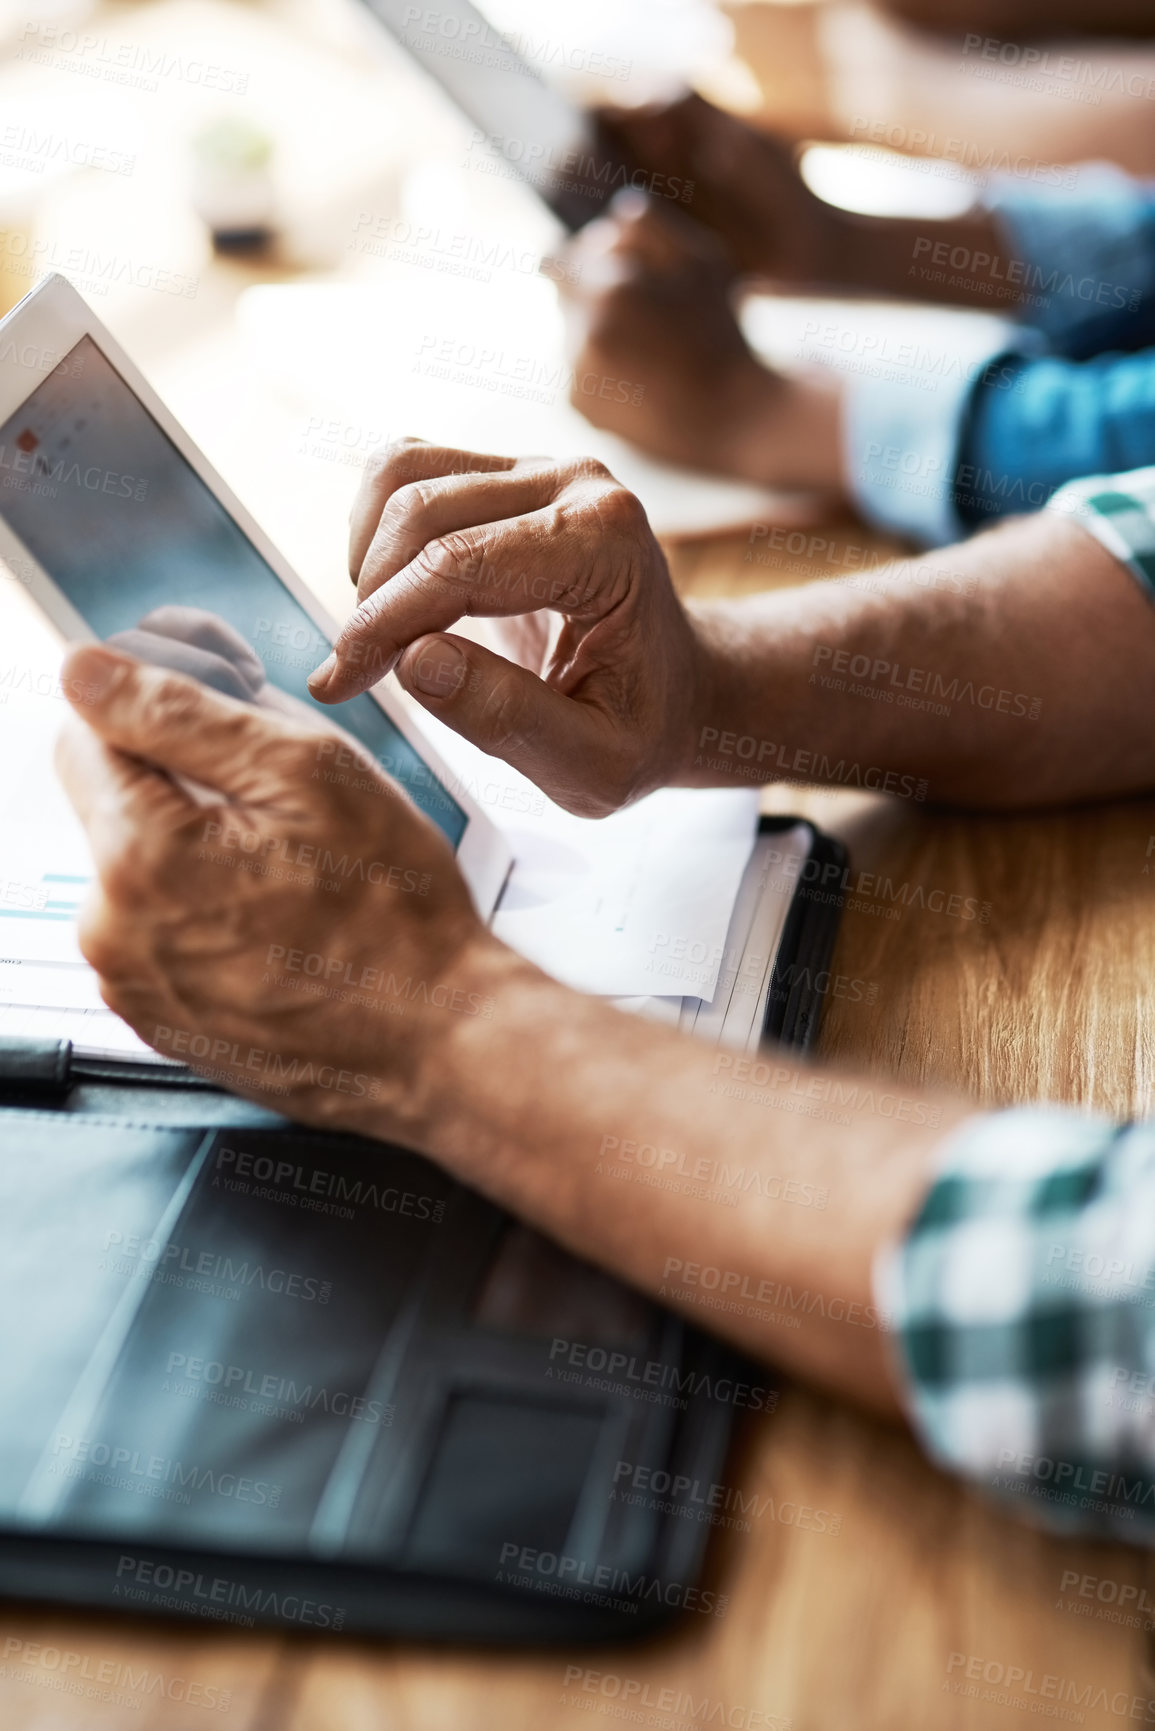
point(1119, 510)
point(1022, 1304)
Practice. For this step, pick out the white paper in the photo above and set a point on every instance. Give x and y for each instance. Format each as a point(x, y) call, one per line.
point(734, 1014)
point(636, 904)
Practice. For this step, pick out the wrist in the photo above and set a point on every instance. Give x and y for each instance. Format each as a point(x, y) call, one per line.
point(739, 693)
point(484, 1079)
point(440, 1044)
point(785, 430)
point(838, 244)
point(826, 244)
point(390, 1043)
point(711, 689)
point(795, 238)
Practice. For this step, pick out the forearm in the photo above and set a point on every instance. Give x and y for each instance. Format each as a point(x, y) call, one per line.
point(559, 1107)
point(1015, 669)
point(1028, 17)
point(953, 261)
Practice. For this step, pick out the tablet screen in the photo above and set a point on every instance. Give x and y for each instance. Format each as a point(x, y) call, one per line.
point(544, 138)
point(122, 523)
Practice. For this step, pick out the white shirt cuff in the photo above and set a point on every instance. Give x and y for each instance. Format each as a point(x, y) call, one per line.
point(900, 451)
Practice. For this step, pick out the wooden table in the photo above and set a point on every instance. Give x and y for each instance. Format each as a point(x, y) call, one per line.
point(859, 1627)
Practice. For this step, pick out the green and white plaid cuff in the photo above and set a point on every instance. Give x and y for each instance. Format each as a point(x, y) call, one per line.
point(1119, 510)
point(1022, 1302)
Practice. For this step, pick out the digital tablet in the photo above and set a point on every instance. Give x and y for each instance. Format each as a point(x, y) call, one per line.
point(108, 511)
point(551, 143)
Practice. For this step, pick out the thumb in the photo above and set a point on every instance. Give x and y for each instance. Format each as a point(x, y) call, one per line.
point(176, 724)
point(572, 751)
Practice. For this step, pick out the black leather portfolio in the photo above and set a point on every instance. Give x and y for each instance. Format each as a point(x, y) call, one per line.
point(251, 1374)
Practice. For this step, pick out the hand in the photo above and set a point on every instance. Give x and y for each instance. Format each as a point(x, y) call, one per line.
point(648, 297)
point(742, 183)
point(304, 941)
point(206, 647)
point(597, 705)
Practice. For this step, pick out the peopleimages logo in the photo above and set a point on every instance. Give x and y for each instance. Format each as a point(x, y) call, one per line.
point(1016, 1686)
point(116, 1682)
point(733, 1284)
point(235, 1385)
point(914, 687)
point(742, 754)
point(17, 462)
point(575, 1578)
point(775, 1084)
point(717, 1505)
point(680, 1707)
point(704, 1178)
point(283, 1178)
point(1073, 1482)
point(159, 1476)
point(831, 878)
point(1029, 67)
point(1107, 1591)
point(217, 1596)
point(649, 1376)
point(184, 1265)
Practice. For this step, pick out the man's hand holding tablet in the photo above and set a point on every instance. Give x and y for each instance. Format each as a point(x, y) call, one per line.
point(296, 939)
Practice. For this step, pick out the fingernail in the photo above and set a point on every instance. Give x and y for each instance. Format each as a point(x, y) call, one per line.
point(320, 677)
point(630, 204)
point(90, 672)
point(438, 669)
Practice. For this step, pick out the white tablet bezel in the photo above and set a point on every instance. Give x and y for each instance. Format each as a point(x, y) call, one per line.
point(34, 337)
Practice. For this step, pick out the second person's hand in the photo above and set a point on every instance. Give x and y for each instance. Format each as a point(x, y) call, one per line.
point(739, 181)
point(649, 298)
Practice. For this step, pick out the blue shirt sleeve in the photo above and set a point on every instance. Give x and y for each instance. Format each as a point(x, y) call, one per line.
point(1086, 259)
point(1032, 414)
point(1083, 260)
point(901, 444)
point(1048, 420)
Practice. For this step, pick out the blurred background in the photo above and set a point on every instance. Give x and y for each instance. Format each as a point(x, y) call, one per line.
point(375, 268)
point(127, 132)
